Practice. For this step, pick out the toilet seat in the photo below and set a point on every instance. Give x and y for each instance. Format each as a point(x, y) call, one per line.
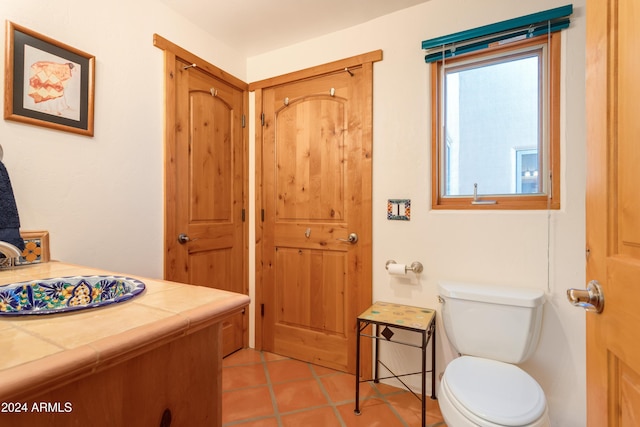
point(492, 393)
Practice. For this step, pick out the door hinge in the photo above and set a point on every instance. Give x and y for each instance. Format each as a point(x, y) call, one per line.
point(262, 214)
point(262, 119)
point(262, 310)
point(244, 124)
point(243, 215)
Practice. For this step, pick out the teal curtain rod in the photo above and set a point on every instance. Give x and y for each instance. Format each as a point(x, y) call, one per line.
point(535, 19)
point(470, 46)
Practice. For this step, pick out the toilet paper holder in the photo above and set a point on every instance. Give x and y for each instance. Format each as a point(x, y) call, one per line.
point(415, 266)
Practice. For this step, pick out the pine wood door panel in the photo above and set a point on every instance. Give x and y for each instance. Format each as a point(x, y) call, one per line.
point(311, 172)
point(211, 177)
point(205, 180)
point(628, 126)
point(212, 180)
point(309, 140)
point(628, 389)
point(311, 290)
point(316, 190)
point(296, 342)
point(613, 211)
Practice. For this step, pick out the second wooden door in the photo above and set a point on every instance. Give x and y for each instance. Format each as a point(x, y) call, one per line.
point(205, 178)
point(316, 172)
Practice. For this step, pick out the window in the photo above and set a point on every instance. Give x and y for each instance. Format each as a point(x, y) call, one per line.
point(495, 127)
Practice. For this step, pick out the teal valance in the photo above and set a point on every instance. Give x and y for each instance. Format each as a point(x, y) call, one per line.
point(512, 29)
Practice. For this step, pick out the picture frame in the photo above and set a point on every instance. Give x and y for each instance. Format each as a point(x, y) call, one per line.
point(48, 83)
point(36, 247)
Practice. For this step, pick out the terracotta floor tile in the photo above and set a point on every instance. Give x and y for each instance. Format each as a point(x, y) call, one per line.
point(410, 409)
point(385, 389)
point(373, 413)
point(320, 417)
point(246, 403)
point(242, 357)
point(341, 388)
point(433, 412)
point(264, 422)
point(243, 376)
point(287, 370)
point(269, 357)
point(295, 395)
point(301, 391)
point(321, 370)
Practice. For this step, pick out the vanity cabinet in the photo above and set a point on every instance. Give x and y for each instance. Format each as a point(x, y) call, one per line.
point(179, 379)
point(153, 361)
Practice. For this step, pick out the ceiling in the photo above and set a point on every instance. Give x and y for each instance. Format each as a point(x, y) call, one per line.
point(258, 26)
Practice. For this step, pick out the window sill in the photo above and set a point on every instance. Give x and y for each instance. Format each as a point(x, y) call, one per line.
point(502, 203)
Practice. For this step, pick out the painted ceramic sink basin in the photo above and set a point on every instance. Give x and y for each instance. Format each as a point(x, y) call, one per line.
point(65, 294)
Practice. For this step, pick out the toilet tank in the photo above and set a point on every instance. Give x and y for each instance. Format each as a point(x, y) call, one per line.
point(495, 322)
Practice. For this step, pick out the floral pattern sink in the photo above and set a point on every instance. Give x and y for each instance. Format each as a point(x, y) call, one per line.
point(64, 294)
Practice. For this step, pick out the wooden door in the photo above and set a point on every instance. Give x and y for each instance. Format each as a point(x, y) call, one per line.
point(205, 183)
point(316, 192)
point(613, 211)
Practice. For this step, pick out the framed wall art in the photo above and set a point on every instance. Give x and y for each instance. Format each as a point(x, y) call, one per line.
point(48, 83)
point(36, 247)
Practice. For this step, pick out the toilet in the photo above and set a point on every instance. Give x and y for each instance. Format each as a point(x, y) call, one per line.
point(493, 328)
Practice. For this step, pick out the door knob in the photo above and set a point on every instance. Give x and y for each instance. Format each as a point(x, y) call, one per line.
point(591, 299)
point(183, 238)
point(353, 239)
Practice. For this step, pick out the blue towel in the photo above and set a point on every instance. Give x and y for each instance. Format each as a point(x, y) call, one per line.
point(9, 219)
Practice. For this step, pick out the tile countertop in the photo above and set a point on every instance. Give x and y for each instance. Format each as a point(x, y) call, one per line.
point(41, 351)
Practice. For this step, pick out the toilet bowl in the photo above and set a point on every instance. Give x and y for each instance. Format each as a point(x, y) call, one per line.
point(493, 328)
point(483, 392)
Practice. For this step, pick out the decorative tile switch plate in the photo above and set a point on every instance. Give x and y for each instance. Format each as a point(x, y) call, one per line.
point(399, 209)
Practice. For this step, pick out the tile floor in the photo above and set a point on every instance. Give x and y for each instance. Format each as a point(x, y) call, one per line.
point(262, 389)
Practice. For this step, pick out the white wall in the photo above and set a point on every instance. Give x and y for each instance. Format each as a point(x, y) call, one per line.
point(101, 198)
point(485, 247)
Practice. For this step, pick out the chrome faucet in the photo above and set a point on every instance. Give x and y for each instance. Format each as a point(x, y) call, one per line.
point(11, 254)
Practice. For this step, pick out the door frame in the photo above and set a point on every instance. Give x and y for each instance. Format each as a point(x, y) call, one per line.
point(257, 87)
point(173, 259)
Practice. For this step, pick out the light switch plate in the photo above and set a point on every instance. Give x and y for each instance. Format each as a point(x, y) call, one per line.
point(399, 209)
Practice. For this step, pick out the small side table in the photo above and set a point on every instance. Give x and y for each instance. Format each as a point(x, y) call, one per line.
point(396, 316)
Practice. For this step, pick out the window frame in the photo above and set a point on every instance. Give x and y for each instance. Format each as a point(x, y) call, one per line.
point(549, 200)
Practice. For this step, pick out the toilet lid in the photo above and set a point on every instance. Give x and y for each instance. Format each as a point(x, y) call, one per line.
point(495, 391)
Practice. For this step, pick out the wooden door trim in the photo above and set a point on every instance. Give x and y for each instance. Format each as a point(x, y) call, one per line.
point(166, 45)
point(319, 70)
point(366, 62)
point(173, 53)
point(259, 224)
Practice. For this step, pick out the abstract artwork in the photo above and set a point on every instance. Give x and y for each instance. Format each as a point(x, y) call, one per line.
point(48, 83)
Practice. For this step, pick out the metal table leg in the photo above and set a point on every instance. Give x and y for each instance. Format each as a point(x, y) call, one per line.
point(433, 360)
point(357, 409)
point(424, 376)
point(376, 377)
